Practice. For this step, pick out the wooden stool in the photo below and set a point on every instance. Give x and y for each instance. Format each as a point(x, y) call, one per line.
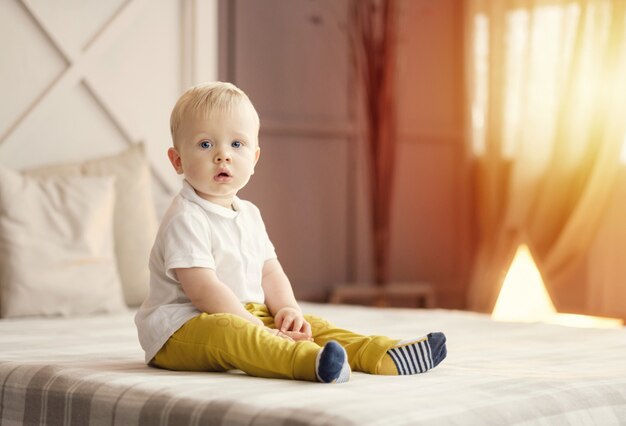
point(416, 294)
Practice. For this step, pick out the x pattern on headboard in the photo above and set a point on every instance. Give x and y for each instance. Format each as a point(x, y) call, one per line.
point(117, 67)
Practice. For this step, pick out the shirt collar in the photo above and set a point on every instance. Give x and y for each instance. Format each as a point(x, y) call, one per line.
point(190, 194)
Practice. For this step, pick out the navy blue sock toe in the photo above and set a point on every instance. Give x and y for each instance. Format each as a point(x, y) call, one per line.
point(438, 348)
point(332, 365)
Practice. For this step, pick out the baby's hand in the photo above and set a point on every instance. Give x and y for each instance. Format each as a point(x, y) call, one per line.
point(290, 319)
point(297, 336)
point(294, 336)
point(279, 333)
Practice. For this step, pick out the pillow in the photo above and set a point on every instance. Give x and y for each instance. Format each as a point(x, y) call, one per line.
point(134, 220)
point(56, 246)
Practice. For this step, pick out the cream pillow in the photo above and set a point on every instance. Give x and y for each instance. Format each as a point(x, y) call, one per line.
point(56, 246)
point(135, 222)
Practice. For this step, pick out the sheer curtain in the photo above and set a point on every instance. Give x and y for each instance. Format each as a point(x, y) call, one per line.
point(547, 113)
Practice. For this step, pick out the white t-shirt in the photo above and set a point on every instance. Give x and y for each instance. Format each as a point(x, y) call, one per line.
point(197, 233)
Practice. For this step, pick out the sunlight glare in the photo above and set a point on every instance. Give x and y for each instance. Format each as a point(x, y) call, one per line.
point(523, 296)
point(586, 321)
point(480, 84)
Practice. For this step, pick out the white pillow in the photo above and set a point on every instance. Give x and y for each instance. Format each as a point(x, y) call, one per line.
point(56, 246)
point(135, 222)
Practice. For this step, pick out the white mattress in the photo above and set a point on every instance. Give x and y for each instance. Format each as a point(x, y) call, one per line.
point(83, 370)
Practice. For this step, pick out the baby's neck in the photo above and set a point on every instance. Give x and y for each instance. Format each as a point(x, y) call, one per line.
point(227, 202)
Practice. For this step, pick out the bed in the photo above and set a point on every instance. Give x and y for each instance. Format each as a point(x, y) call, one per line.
point(69, 352)
point(90, 370)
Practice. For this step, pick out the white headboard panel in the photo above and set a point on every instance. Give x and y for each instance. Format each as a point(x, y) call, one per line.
point(85, 78)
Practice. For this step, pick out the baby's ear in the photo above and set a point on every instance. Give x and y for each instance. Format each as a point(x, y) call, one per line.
point(174, 157)
point(257, 154)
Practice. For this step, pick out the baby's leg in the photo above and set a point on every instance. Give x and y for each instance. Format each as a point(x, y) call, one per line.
point(221, 342)
point(413, 356)
point(375, 354)
point(365, 353)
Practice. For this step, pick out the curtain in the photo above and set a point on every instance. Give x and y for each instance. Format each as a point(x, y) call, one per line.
point(546, 86)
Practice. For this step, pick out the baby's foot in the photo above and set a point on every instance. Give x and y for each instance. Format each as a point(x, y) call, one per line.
point(413, 356)
point(331, 364)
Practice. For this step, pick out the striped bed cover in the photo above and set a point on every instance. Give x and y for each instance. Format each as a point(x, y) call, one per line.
point(90, 371)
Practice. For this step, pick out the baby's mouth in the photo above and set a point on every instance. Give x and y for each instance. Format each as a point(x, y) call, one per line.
point(222, 176)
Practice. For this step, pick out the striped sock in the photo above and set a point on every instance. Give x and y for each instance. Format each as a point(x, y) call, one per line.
point(414, 356)
point(331, 364)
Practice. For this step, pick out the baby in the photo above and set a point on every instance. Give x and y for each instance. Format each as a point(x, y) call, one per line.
point(219, 299)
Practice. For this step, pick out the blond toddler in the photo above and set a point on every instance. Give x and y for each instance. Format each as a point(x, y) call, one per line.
point(219, 299)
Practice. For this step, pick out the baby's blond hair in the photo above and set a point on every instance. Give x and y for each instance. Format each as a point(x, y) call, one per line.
point(205, 98)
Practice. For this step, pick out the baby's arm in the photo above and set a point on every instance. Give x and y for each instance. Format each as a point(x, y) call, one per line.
point(281, 301)
point(208, 294)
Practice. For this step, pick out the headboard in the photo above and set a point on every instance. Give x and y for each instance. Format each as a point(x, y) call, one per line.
point(89, 80)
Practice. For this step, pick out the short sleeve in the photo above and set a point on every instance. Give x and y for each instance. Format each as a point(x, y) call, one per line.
point(187, 244)
point(269, 252)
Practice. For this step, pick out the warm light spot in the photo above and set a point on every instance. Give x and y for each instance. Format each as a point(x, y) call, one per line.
point(623, 155)
point(586, 321)
point(480, 84)
point(514, 78)
point(523, 296)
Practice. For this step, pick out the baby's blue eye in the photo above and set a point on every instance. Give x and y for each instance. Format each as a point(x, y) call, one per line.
point(236, 144)
point(206, 144)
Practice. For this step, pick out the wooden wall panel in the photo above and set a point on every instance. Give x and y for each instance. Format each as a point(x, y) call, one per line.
point(285, 56)
point(300, 185)
point(291, 58)
point(432, 188)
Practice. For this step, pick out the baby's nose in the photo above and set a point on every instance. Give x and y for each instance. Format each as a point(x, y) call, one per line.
point(222, 156)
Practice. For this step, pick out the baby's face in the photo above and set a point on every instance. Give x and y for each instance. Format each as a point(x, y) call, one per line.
point(218, 154)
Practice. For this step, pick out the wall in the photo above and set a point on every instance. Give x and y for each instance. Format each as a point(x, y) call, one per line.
point(297, 78)
point(431, 234)
point(291, 58)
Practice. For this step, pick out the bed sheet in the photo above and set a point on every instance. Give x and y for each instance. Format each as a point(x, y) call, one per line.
point(91, 370)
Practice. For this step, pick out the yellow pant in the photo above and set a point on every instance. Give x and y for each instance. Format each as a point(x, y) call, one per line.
point(221, 342)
